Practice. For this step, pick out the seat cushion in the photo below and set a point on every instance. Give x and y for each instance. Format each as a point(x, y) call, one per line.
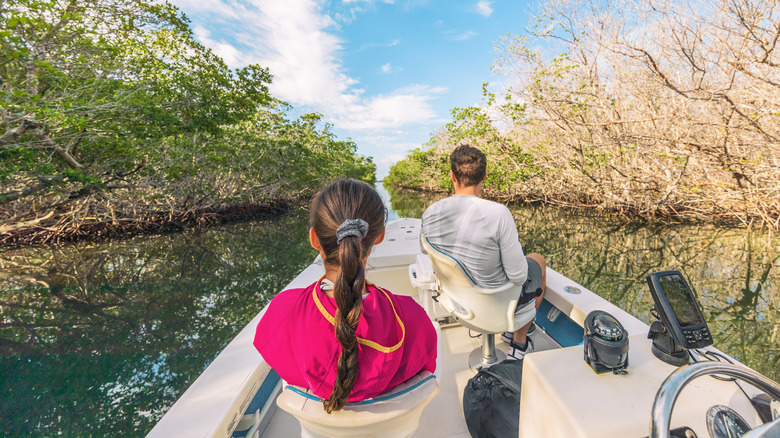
point(413, 394)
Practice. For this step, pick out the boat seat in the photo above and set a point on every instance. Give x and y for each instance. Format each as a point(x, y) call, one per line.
point(393, 414)
point(485, 310)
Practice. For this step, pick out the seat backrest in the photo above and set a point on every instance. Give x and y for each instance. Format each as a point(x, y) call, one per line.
point(394, 414)
point(487, 310)
point(447, 269)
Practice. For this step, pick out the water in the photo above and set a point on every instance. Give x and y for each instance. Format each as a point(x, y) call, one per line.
point(99, 340)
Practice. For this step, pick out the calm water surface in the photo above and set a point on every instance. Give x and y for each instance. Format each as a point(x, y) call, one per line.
point(99, 340)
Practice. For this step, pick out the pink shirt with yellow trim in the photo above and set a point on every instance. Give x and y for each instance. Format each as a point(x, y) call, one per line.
point(396, 340)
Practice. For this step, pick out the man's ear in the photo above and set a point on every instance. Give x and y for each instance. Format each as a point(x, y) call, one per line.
point(452, 177)
point(380, 238)
point(314, 240)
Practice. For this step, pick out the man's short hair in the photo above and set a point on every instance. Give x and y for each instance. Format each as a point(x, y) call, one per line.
point(468, 164)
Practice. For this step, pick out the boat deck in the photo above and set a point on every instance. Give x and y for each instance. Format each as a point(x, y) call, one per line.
point(457, 344)
point(570, 400)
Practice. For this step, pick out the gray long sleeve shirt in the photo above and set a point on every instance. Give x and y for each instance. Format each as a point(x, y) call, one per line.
point(481, 235)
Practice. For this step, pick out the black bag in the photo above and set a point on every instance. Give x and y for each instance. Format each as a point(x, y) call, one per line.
point(491, 400)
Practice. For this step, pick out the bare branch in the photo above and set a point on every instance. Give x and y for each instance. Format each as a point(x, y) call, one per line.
point(49, 143)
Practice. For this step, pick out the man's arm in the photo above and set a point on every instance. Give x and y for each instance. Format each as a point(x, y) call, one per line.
point(512, 254)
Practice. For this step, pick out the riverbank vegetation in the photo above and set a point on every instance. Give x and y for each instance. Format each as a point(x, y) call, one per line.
point(114, 120)
point(646, 108)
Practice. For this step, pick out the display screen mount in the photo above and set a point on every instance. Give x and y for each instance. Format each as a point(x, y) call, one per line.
point(682, 325)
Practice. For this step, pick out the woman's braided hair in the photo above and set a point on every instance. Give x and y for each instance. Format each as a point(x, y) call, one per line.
point(341, 200)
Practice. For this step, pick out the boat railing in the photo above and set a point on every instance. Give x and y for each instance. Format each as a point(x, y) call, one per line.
point(669, 391)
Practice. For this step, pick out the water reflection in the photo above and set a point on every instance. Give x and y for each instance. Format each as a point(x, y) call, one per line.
point(734, 272)
point(405, 203)
point(99, 340)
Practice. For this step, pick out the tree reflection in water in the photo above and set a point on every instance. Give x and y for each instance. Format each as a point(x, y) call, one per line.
point(99, 340)
point(733, 271)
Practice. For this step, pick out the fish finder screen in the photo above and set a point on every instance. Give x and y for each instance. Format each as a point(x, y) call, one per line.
point(681, 300)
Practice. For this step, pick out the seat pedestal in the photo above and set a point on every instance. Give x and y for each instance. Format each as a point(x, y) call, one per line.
point(487, 354)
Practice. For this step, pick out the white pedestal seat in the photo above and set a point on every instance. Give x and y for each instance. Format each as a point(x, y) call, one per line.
point(390, 415)
point(488, 311)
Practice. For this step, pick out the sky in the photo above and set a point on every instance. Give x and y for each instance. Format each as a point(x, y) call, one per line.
point(384, 73)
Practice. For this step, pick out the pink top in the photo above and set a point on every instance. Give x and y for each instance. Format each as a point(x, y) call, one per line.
point(396, 340)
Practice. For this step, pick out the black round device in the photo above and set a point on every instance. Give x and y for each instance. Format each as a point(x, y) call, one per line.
point(606, 343)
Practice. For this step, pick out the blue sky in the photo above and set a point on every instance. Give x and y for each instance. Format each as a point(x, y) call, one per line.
point(384, 73)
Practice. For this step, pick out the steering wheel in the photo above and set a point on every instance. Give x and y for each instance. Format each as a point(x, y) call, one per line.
point(670, 389)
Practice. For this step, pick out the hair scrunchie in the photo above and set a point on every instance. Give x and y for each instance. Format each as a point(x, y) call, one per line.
point(352, 227)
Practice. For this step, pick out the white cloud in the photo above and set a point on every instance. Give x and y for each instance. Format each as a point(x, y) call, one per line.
point(347, 11)
point(383, 166)
point(483, 8)
point(394, 145)
point(389, 68)
point(231, 55)
point(295, 40)
point(462, 36)
point(407, 105)
point(389, 2)
point(216, 7)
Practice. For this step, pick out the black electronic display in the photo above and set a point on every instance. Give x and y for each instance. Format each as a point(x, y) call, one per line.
point(678, 309)
point(685, 309)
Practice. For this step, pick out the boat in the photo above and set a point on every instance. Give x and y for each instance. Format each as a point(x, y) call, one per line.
point(562, 396)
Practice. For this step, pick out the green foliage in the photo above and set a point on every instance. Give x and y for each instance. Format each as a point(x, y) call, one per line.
point(413, 171)
point(115, 98)
point(509, 163)
point(267, 156)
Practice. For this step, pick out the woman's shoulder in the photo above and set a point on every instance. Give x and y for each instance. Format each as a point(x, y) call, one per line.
point(376, 289)
point(290, 294)
point(408, 307)
point(287, 301)
point(279, 315)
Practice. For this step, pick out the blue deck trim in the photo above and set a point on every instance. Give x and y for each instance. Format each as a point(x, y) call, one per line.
point(261, 398)
point(564, 331)
point(364, 402)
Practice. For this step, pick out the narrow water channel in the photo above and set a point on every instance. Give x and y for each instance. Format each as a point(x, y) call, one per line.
point(100, 339)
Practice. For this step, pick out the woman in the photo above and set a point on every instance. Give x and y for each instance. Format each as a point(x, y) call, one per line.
point(342, 337)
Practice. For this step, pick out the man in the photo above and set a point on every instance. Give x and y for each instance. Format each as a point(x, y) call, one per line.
point(482, 236)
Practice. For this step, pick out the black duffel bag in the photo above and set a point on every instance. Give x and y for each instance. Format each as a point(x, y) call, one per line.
point(491, 400)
